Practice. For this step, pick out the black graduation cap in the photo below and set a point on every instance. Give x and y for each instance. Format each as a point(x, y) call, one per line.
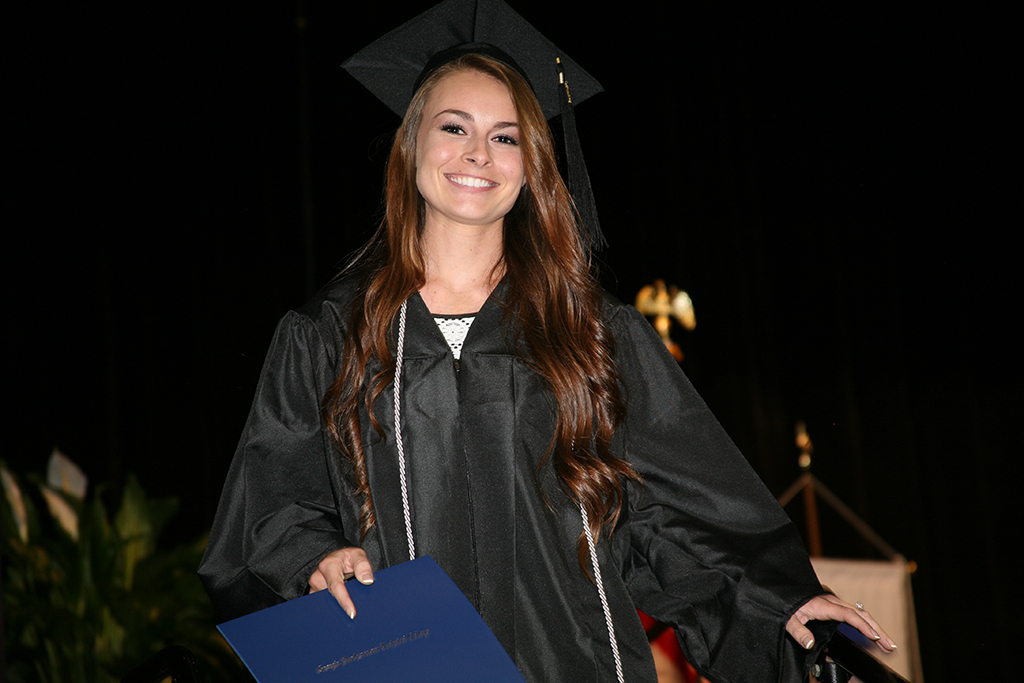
point(393, 66)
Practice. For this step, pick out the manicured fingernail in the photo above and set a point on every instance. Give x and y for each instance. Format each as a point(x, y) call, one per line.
point(875, 636)
point(892, 645)
point(809, 643)
point(366, 578)
point(351, 614)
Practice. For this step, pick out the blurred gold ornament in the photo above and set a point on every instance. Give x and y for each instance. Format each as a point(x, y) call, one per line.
point(803, 442)
point(663, 303)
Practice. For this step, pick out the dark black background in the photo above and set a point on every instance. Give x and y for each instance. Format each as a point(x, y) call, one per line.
point(833, 185)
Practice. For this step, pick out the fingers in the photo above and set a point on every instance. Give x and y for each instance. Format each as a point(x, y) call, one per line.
point(361, 568)
point(317, 582)
point(335, 569)
point(800, 633)
point(862, 620)
point(340, 593)
point(884, 641)
point(832, 608)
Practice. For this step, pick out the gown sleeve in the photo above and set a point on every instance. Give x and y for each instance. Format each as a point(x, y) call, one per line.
point(710, 551)
point(277, 516)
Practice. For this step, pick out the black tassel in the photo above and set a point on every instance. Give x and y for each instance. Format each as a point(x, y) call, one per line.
point(579, 179)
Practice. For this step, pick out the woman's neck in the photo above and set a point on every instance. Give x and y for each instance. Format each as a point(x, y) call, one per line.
point(463, 267)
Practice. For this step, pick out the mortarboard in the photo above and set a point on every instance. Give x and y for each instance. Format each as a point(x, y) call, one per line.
point(393, 66)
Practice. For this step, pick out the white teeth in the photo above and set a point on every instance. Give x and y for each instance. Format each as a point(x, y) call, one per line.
point(469, 181)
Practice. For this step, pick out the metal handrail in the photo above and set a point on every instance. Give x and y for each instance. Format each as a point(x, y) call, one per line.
point(853, 660)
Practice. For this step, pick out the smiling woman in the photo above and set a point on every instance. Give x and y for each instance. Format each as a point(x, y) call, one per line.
point(469, 172)
point(469, 168)
point(557, 510)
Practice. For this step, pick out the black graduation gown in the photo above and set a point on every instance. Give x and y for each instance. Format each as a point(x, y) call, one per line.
point(701, 545)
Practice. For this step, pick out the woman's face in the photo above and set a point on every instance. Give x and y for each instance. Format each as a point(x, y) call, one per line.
point(469, 167)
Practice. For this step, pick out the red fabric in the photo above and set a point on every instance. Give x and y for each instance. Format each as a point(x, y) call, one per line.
point(669, 645)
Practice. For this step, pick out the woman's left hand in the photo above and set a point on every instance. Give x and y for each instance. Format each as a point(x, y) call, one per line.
point(831, 608)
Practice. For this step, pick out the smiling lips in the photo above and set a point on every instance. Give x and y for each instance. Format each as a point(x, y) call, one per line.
point(469, 181)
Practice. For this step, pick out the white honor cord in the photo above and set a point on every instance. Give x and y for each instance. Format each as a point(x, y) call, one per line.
point(398, 429)
point(600, 591)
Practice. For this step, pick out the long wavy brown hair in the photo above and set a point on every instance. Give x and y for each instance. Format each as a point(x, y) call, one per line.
point(553, 302)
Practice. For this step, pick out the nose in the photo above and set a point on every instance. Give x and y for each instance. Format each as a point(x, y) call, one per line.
point(476, 151)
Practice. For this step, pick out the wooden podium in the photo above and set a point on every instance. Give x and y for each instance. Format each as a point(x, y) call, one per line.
point(883, 586)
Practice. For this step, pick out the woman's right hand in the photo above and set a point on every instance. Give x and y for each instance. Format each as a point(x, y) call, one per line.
point(334, 569)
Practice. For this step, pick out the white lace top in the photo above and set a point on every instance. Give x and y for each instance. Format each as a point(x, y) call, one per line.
point(455, 328)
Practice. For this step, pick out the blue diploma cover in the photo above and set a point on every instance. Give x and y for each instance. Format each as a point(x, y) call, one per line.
point(412, 624)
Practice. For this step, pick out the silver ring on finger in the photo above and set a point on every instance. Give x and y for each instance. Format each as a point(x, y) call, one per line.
point(859, 606)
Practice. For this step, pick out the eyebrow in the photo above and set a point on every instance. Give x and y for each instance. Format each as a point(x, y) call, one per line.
point(469, 117)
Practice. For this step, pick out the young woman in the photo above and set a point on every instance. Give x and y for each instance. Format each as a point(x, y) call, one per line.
point(466, 391)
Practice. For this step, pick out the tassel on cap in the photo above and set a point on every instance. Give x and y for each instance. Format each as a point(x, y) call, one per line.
point(576, 166)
